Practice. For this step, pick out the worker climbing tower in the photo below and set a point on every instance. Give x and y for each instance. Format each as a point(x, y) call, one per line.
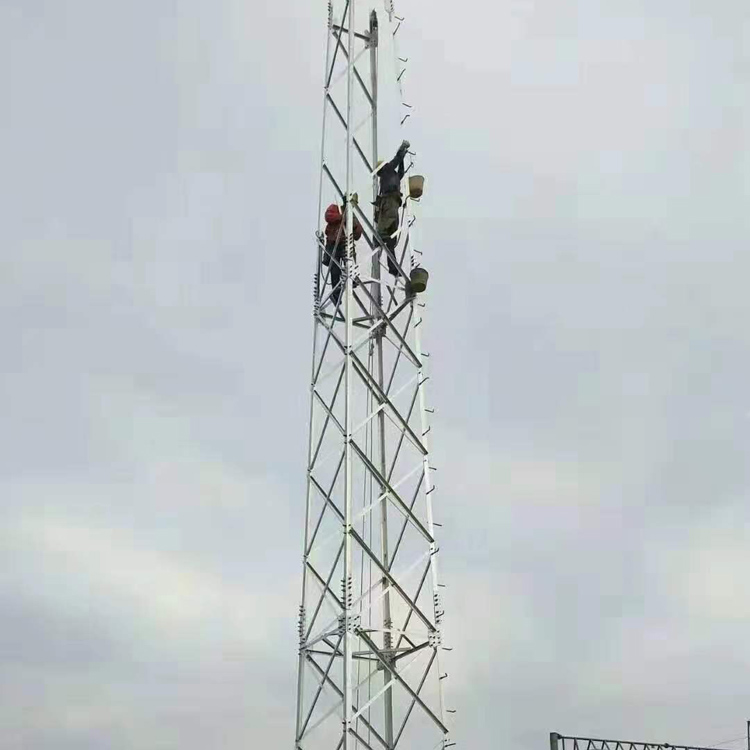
point(370, 622)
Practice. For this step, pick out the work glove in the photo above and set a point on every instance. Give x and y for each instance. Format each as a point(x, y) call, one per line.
point(405, 145)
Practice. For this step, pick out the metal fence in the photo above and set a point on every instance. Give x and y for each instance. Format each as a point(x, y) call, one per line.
point(560, 742)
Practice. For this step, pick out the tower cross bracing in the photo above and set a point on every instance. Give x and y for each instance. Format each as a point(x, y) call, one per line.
point(370, 622)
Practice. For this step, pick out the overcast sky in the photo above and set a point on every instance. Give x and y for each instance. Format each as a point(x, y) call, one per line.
point(588, 235)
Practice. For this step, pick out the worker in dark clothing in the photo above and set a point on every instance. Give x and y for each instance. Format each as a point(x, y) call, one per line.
point(335, 248)
point(389, 202)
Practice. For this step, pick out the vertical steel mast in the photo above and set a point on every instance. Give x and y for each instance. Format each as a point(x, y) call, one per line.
point(370, 622)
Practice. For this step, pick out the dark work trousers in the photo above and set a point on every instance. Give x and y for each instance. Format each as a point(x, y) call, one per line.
point(337, 260)
point(387, 222)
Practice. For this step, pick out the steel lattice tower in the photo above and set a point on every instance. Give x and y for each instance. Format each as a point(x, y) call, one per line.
point(371, 615)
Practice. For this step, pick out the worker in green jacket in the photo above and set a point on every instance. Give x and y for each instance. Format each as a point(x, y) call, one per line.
point(389, 202)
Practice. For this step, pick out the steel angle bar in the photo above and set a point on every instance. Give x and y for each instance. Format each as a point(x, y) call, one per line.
point(397, 631)
point(329, 330)
point(321, 684)
point(369, 508)
point(334, 368)
point(372, 384)
point(359, 302)
point(370, 674)
point(393, 496)
point(321, 249)
point(403, 527)
point(400, 350)
point(393, 583)
point(335, 318)
point(359, 325)
point(366, 256)
point(419, 591)
point(374, 505)
point(411, 435)
point(407, 651)
point(353, 732)
point(323, 543)
point(367, 655)
point(322, 637)
point(345, 31)
point(326, 500)
point(405, 685)
point(406, 477)
point(357, 147)
point(352, 64)
point(325, 586)
point(336, 50)
point(329, 415)
point(324, 429)
point(367, 336)
point(320, 463)
point(384, 689)
point(328, 539)
point(336, 707)
point(381, 396)
point(363, 318)
point(391, 296)
point(331, 337)
point(339, 361)
point(405, 305)
point(403, 434)
point(403, 575)
point(338, 690)
point(413, 702)
point(327, 497)
point(380, 408)
point(366, 120)
point(362, 84)
point(301, 661)
point(330, 645)
point(397, 452)
point(429, 487)
point(410, 353)
point(326, 590)
point(317, 652)
point(391, 318)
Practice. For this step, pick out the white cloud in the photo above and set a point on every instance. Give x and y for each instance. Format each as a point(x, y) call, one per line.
point(94, 566)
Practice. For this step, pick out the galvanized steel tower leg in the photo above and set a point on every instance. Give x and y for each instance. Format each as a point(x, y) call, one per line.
point(380, 331)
